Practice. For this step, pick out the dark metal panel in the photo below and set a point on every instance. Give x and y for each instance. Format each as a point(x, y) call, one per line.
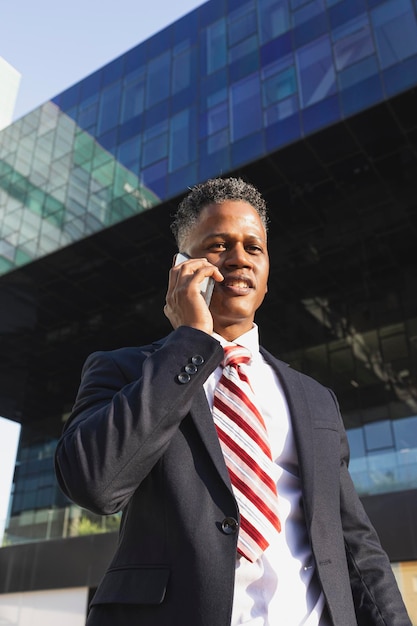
point(394, 516)
point(73, 562)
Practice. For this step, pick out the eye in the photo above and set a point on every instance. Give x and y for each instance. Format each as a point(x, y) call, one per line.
point(217, 245)
point(254, 249)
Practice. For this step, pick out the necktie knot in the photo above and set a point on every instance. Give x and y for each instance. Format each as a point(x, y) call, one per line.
point(235, 355)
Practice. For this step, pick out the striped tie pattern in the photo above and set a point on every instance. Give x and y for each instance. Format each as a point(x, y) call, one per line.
point(243, 438)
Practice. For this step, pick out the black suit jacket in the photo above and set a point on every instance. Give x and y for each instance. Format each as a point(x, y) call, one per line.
point(140, 441)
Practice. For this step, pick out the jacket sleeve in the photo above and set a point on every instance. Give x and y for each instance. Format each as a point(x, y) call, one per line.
point(125, 415)
point(376, 596)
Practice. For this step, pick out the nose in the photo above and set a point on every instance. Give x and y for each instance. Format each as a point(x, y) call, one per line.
point(237, 256)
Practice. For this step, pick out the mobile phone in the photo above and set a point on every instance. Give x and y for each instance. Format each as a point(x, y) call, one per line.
point(206, 287)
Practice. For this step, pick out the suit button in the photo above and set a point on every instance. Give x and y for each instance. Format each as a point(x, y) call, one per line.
point(197, 359)
point(229, 525)
point(183, 378)
point(190, 368)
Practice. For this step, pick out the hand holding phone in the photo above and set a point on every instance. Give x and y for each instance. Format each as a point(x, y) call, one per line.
point(206, 287)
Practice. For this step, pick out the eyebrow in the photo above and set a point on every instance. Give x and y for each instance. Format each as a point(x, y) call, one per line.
point(228, 235)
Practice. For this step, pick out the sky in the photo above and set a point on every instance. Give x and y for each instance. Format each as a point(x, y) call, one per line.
point(55, 44)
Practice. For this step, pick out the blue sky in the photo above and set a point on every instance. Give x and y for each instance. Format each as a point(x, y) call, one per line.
point(56, 44)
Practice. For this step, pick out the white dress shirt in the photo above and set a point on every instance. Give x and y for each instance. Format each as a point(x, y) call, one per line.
point(280, 588)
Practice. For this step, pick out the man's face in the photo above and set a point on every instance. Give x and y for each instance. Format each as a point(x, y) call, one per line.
point(231, 236)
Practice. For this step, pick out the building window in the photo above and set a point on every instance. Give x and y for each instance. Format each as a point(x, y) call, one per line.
point(133, 95)
point(395, 29)
point(316, 73)
point(158, 83)
point(216, 46)
point(246, 113)
point(274, 19)
point(352, 42)
point(108, 115)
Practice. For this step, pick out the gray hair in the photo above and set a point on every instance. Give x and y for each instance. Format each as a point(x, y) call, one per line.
point(215, 191)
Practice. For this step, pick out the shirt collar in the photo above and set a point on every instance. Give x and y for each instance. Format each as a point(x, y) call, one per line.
point(249, 340)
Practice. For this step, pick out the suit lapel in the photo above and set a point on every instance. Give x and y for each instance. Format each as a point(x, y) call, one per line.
point(203, 420)
point(301, 420)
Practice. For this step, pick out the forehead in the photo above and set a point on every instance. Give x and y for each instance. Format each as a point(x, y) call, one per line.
point(234, 215)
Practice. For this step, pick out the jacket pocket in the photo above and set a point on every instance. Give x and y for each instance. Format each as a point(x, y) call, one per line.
point(132, 585)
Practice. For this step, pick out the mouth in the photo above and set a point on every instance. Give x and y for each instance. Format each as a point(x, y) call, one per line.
point(237, 284)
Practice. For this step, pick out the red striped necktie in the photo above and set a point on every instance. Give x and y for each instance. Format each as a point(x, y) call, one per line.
point(244, 441)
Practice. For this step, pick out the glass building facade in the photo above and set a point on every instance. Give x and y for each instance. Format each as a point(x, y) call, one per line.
point(315, 103)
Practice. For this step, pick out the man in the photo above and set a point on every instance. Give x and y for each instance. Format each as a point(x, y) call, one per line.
point(142, 439)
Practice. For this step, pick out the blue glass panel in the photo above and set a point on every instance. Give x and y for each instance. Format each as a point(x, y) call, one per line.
point(321, 114)
point(183, 70)
point(308, 12)
point(158, 79)
point(281, 110)
point(354, 46)
point(217, 97)
point(395, 30)
point(209, 12)
point(244, 66)
point(212, 84)
point(91, 85)
point(211, 165)
point(361, 95)
point(356, 442)
point(279, 86)
point(246, 115)
point(183, 99)
point(87, 112)
point(316, 74)
point(274, 19)
point(182, 180)
point(133, 96)
point(108, 113)
point(296, 4)
point(155, 178)
point(399, 78)
point(158, 113)
point(282, 133)
point(345, 11)
point(186, 28)
point(135, 58)
point(128, 153)
point(352, 26)
point(310, 30)
point(244, 48)
point(247, 149)
point(216, 46)
point(70, 97)
point(242, 23)
point(218, 142)
point(155, 144)
point(276, 49)
point(112, 71)
point(130, 128)
point(359, 72)
point(378, 435)
point(109, 140)
point(182, 140)
point(405, 431)
point(155, 149)
point(159, 42)
point(217, 118)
